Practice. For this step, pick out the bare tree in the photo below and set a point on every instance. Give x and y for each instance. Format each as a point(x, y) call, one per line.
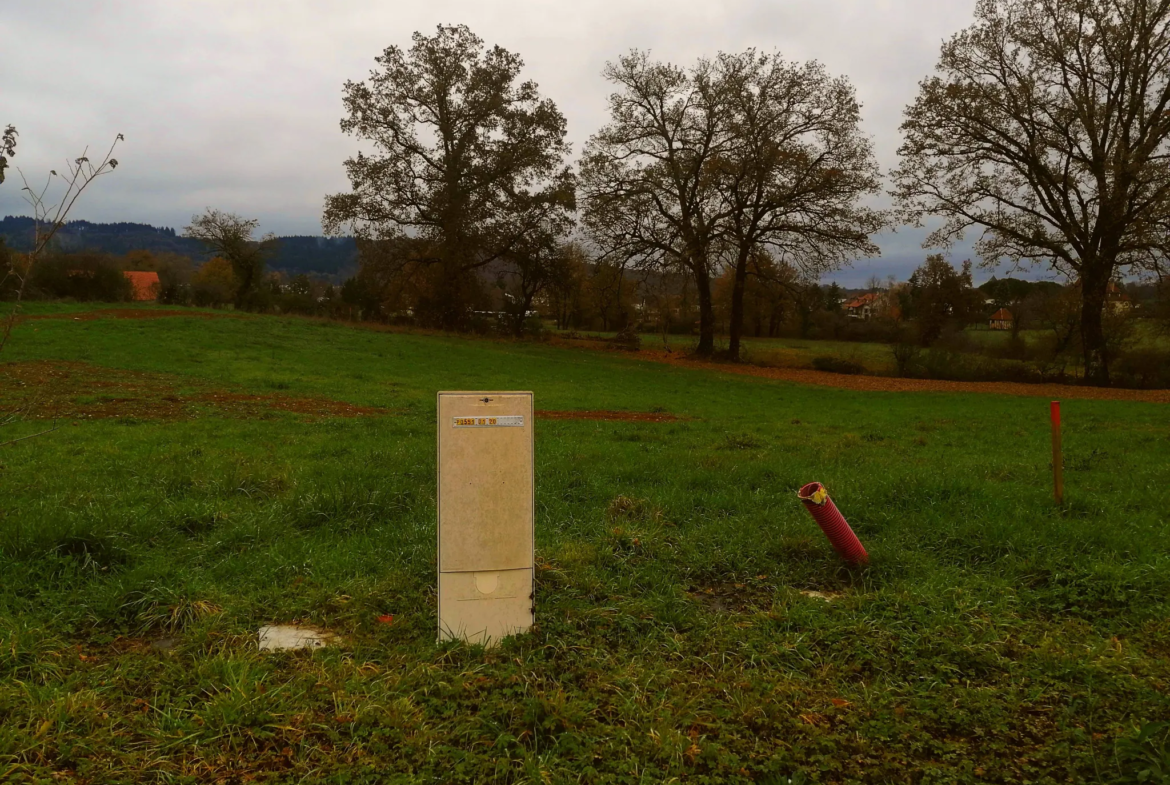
point(47, 217)
point(792, 171)
point(469, 162)
point(647, 176)
point(230, 237)
point(1048, 129)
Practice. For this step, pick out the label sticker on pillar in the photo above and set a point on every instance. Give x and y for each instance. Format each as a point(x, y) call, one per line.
point(502, 421)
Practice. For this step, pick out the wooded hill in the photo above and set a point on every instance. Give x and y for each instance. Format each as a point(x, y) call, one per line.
point(334, 258)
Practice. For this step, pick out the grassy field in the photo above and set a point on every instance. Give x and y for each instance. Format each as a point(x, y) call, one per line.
point(191, 494)
point(876, 358)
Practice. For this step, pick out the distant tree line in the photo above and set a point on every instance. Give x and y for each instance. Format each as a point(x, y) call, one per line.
point(331, 258)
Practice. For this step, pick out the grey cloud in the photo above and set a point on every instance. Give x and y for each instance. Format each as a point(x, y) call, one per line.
point(237, 105)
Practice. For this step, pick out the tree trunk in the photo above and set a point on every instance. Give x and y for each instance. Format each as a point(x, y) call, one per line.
point(1093, 289)
point(706, 314)
point(1017, 325)
point(736, 327)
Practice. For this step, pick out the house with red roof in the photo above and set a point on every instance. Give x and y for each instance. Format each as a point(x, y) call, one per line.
point(1001, 320)
point(862, 307)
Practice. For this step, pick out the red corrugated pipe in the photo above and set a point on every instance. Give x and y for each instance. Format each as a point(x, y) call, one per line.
point(832, 522)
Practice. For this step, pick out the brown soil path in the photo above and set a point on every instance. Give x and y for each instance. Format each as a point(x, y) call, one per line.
point(606, 414)
point(893, 384)
point(52, 389)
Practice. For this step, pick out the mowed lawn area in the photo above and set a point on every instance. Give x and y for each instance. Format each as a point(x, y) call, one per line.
point(211, 475)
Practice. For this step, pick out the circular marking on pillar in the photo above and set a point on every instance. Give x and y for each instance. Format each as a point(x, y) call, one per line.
point(486, 582)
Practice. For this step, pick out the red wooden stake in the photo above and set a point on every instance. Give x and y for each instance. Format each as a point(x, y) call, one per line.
point(1057, 460)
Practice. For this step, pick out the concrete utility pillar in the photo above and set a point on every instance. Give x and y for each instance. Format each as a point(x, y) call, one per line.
point(486, 508)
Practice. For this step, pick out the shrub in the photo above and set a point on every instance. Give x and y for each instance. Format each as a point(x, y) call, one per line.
point(534, 326)
point(955, 340)
point(871, 330)
point(1015, 348)
point(1143, 368)
point(906, 356)
point(85, 276)
point(214, 283)
point(628, 339)
point(175, 294)
point(966, 367)
point(940, 363)
point(838, 365)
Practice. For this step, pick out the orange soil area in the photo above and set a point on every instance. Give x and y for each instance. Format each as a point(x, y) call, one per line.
point(606, 415)
point(320, 407)
point(133, 313)
point(893, 384)
point(76, 391)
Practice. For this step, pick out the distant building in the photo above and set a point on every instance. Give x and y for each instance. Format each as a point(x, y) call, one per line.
point(862, 307)
point(1116, 299)
point(1001, 320)
point(146, 285)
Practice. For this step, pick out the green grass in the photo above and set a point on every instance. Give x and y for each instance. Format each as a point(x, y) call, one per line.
point(875, 358)
point(994, 638)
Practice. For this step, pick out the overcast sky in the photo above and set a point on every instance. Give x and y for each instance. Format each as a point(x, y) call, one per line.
point(236, 105)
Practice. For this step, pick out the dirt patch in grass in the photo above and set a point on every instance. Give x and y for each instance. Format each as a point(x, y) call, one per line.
point(80, 391)
point(734, 597)
point(133, 313)
point(892, 384)
point(247, 405)
point(602, 414)
point(583, 342)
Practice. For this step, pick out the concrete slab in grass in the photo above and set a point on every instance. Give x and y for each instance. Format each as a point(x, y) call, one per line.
point(281, 637)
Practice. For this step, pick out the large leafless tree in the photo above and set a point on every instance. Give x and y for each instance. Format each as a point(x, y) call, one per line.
point(792, 171)
point(1047, 130)
point(708, 166)
point(648, 182)
point(468, 162)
